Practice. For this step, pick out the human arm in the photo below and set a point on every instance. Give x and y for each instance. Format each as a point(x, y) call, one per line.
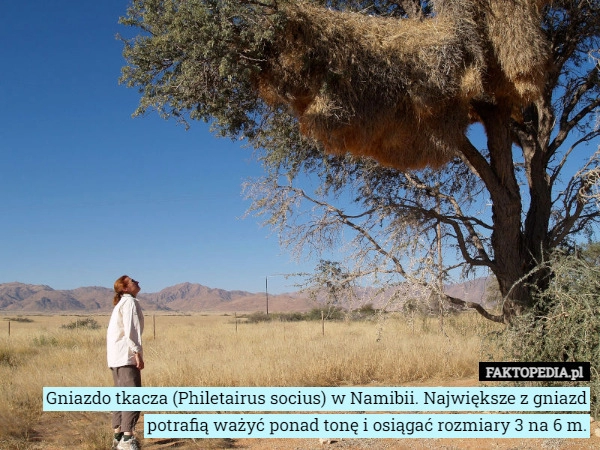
point(132, 330)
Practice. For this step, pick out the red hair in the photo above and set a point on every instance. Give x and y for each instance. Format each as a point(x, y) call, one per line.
point(120, 288)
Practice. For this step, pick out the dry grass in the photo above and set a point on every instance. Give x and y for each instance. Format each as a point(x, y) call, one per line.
point(212, 351)
point(39, 354)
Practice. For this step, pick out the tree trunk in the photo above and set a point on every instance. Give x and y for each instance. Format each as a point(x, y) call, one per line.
point(511, 262)
point(534, 141)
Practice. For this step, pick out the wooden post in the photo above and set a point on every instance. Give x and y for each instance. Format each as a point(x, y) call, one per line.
point(235, 315)
point(267, 292)
point(9, 328)
point(323, 323)
point(153, 327)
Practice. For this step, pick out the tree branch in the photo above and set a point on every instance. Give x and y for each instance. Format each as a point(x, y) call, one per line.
point(476, 306)
point(567, 124)
point(455, 221)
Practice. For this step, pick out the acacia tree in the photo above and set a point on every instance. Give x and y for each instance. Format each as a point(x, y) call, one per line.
point(376, 99)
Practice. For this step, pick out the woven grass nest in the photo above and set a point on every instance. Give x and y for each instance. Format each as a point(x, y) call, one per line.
point(400, 90)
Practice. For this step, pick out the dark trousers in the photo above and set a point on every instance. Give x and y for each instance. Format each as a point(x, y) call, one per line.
point(126, 376)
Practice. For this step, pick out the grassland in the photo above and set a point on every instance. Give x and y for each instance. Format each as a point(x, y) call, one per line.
point(197, 350)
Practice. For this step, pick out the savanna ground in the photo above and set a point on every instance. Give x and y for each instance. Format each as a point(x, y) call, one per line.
point(213, 350)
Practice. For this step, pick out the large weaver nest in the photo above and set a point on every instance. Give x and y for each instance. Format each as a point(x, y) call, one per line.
point(401, 90)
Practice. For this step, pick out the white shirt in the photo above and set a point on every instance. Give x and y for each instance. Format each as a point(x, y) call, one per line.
point(124, 334)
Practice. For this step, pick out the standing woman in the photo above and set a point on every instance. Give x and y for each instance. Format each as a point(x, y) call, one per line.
point(124, 355)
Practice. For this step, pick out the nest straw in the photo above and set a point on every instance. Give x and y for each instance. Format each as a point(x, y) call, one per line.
point(399, 90)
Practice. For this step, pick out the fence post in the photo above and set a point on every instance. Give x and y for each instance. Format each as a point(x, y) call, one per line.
point(9, 328)
point(235, 315)
point(323, 322)
point(153, 327)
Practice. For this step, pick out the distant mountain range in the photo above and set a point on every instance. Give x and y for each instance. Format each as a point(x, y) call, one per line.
point(184, 297)
point(181, 297)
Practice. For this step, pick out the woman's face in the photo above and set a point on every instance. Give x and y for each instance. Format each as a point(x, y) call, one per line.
point(133, 286)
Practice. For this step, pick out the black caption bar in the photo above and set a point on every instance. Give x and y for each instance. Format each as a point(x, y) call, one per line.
point(534, 371)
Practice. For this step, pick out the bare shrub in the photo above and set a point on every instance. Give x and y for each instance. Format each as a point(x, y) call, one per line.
point(565, 324)
point(19, 319)
point(87, 323)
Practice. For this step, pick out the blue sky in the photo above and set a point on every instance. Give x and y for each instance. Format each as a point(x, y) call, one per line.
point(88, 193)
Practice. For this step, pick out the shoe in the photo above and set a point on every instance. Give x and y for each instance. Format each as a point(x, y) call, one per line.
point(115, 443)
point(131, 444)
